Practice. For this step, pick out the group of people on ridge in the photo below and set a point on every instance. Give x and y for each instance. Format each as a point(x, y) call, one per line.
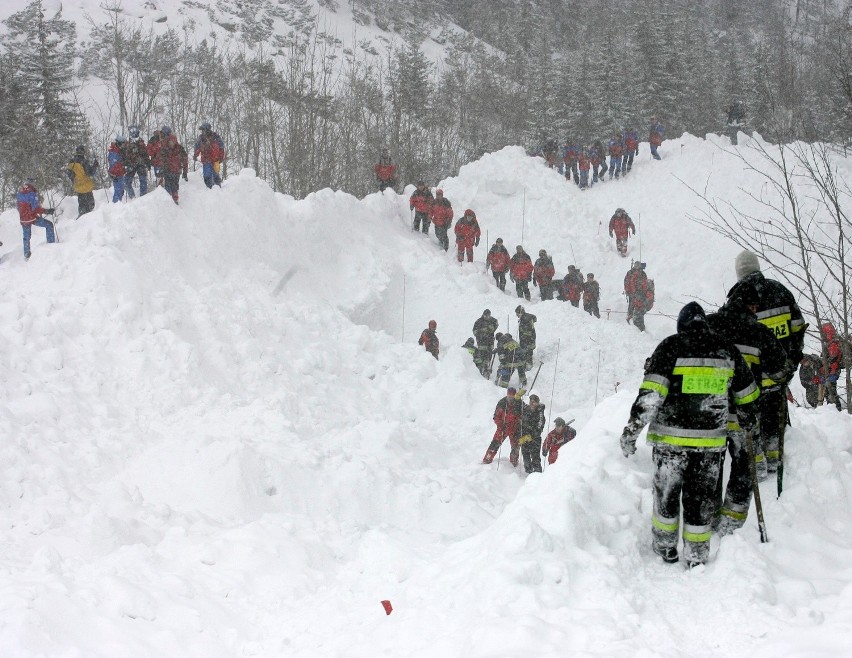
point(127, 159)
point(576, 160)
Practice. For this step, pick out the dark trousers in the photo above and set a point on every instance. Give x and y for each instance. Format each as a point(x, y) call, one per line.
point(690, 476)
point(421, 217)
point(443, 238)
point(85, 203)
point(773, 417)
point(591, 308)
point(812, 394)
point(523, 288)
point(531, 452)
point(500, 278)
point(738, 492)
point(172, 184)
point(546, 291)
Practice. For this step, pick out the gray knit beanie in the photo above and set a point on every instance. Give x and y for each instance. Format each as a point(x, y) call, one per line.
point(746, 263)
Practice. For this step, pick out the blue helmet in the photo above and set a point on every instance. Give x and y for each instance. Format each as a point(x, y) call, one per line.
point(205, 126)
point(166, 130)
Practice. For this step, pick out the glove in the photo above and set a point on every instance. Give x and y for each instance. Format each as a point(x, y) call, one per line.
point(526, 438)
point(520, 393)
point(476, 242)
point(628, 444)
point(543, 450)
point(49, 211)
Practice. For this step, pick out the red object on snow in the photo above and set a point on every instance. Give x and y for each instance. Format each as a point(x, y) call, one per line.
point(387, 606)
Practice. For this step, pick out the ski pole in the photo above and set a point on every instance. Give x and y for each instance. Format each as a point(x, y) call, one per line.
point(761, 524)
point(540, 364)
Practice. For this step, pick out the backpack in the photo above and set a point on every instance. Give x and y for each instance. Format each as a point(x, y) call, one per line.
point(649, 292)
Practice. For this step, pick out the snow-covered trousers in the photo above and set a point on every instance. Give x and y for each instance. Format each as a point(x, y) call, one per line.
point(443, 238)
point(773, 416)
point(691, 475)
point(500, 278)
point(531, 452)
point(421, 216)
point(46, 224)
point(614, 166)
point(569, 168)
point(627, 161)
point(584, 178)
point(738, 492)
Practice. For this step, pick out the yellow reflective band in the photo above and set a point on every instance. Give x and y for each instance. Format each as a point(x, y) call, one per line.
point(773, 454)
point(752, 359)
point(697, 537)
point(665, 527)
point(750, 397)
point(739, 516)
point(758, 458)
point(704, 380)
point(766, 382)
point(688, 442)
point(733, 426)
point(654, 386)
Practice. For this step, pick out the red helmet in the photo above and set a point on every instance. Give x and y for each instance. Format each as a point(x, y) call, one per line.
point(439, 192)
point(433, 324)
point(469, 212)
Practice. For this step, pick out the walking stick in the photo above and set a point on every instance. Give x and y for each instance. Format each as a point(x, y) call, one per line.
point(761, 524)
point(784, 421)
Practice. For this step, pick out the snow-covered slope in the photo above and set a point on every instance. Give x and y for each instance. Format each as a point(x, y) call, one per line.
point(220, 437)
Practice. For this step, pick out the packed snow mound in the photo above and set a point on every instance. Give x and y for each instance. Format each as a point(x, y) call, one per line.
point(221, 436)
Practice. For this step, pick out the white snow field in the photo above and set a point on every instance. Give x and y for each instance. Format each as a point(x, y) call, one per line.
point(220, 437)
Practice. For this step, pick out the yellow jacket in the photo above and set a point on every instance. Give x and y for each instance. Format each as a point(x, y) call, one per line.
point(81, 180)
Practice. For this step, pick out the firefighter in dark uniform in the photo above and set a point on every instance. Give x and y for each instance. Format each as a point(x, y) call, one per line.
point(778, 311)
point(483, 330)
point(736, 321)
point(511, 356)
point(688, 383)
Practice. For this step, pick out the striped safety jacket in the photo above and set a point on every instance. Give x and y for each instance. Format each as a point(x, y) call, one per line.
point(779, 312)
point(690, 378)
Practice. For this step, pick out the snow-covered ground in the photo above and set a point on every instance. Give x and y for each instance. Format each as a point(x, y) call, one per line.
point(220, 437)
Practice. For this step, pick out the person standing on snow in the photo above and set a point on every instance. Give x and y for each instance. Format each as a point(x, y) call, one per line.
point(429, 339)
point(520, 271)
point(385, 170)
point(597, 157)
point(690, 378)
point(584, 164)
point(616, 152)
point(511, 356)
point(467, 235)
point(655, 137)
point(556, 438)
point(136, 162)
point(421, 202)
point(526, 334)
point(832, 354)
point(173, 160)
point(532, 425)
point(82, 172)
point(571, 286)
point(543, 273)
point(32, 214)
point(780, 313)
point(116, 169)
point(631, 148)
point(484, 329)
point(636, 287)
point(210, 147)
point(570, 156)
point(507, 418)
point(619, 224)
point(810, 377)
point(591, 296)
point(498, 260)
point(736, 322)
point(441, 214)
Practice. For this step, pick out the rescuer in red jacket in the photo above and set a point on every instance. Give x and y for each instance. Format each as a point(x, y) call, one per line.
point(520, 271)
point(467, 235)
point(441, 214)
point(499, 261)
point(507, 418)
point(619, 224)
point(429, 339)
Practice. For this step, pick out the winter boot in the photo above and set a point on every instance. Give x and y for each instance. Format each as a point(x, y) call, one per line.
point(513, 456)
point(491, 452)
point(669, 554)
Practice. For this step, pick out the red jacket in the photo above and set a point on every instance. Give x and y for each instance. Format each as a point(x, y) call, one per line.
point(385, 172)
point(115, 158)
point(834, 348)
point(522, 267)
point(572, 285)
point(421, 201)
point(441, 212)
point(467, 231)
point(171, 155)
point(635, 282)
point(498, 259)
point(620, 224)
point(429, 340)
point(544, 271)
point(555, 440)
point(29, 205)
point(584, 162)
point(507, 417)
point(210, 147)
